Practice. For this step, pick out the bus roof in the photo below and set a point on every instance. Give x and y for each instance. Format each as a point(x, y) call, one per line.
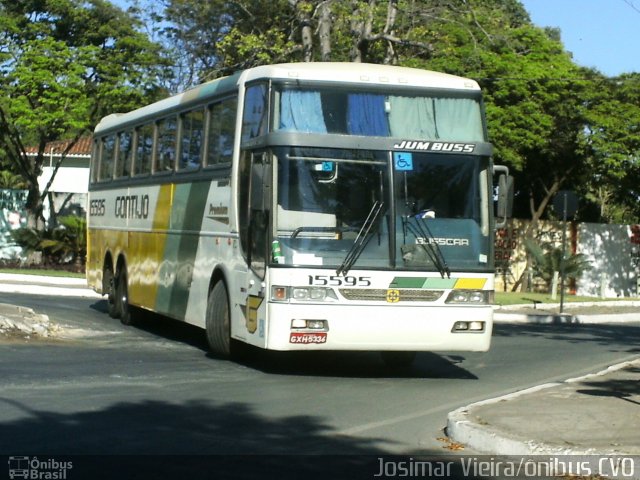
point(361, 73)
point(219, 86)
point(336, 72)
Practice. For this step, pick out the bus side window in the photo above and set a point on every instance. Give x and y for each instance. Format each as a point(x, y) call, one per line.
point(254, 118)
point(107, 157)
point(191, 135)
point(222, 127)
point(166, 145)
point(95, 160)
point(144, 150)
point(125, 152)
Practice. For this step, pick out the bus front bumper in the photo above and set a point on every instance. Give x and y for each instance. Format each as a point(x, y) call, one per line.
point(379, 327)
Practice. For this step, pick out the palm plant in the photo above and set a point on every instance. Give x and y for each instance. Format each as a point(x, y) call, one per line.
point(66, 243)
point(547, 260)
point(11, 181)
point(69, 240)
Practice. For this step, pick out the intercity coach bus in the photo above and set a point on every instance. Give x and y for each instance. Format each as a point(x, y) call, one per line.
point(311, 206)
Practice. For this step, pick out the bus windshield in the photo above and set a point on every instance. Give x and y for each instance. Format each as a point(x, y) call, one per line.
point(416, 115)
point(425, 214)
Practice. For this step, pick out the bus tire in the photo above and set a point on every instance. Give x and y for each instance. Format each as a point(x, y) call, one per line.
point(122, 297)
point(398, 360)
point(109, 286)
point(218, 324)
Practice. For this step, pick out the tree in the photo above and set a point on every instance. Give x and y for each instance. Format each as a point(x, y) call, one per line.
point(209, 39)
point(612, 147)
point(556, 125)
point(220, 37)
point(65, 64)
point(534, 96)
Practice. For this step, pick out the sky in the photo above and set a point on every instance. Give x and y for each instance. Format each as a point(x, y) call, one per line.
point(604, 34)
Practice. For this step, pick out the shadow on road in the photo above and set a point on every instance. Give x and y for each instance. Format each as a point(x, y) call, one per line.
point(219, 441)
point(620, 338)
point(354, 365)
point(326, 364)
point(158, 325)
point(627, 389)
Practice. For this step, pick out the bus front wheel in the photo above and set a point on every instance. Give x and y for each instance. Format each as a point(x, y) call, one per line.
point(218, 325)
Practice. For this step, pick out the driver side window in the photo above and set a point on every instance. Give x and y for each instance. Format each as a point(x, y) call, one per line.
point(254, 205)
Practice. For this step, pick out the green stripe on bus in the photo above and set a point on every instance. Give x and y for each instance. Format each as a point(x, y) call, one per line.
point(187, 212)
point(423, 282)
point(440, 283)
point(407, 282)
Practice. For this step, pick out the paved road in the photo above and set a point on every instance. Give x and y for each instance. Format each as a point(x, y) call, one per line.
point(153, 389)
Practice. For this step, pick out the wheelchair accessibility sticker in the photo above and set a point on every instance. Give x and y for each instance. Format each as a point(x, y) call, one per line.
point(403, 161)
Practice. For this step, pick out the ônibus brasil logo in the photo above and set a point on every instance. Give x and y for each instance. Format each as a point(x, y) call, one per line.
point(34, 468)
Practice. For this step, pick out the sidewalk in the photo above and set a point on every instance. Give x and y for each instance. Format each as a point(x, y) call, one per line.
point(41, 285)
point(598, 414)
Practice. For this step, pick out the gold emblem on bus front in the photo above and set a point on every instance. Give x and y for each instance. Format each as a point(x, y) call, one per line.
point(393, 296)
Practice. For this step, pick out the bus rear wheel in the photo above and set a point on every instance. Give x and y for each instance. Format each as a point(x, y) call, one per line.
point(122, 297)
point(398, 360)
point(218, 324)
point(109, 288)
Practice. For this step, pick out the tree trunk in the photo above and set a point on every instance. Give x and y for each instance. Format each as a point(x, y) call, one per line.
point(389, 31)
point(324, 31)
point(304, 20)
point(357, 32)
point(35, 208)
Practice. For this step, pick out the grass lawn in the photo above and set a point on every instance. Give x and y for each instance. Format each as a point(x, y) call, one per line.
point(516, 298)
point(39, 271)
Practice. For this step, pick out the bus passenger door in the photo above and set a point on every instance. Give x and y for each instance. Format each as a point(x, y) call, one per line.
point(255, 205)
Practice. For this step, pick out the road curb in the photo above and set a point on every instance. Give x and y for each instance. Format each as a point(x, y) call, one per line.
point(462, 428)
point(565, 319)
point(570, 305)
point(43, 279)
point(45, 285)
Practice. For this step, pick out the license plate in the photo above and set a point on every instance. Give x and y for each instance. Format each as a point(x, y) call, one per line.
point(307, 338)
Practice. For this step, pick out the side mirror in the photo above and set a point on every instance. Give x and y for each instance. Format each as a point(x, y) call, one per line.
point(505, 195)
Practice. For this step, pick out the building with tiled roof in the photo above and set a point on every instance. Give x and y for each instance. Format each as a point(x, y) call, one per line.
point(72, 177)
point(73, 174)
point(82, 148)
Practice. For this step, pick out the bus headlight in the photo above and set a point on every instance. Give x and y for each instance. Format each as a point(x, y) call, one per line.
point(472, 297)
point(302, 294)
point(313, 294)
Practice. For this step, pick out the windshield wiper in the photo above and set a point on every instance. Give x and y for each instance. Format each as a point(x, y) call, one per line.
point(359, 244)
point(421, 230)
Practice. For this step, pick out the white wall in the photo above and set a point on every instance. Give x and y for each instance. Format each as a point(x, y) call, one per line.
point(611, 252)
point(67, 180)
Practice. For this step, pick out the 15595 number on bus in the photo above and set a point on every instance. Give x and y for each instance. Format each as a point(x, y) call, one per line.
point(337, 281)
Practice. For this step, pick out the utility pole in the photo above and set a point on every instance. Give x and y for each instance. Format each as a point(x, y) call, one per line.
point(566, 202)
point(564, 248)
